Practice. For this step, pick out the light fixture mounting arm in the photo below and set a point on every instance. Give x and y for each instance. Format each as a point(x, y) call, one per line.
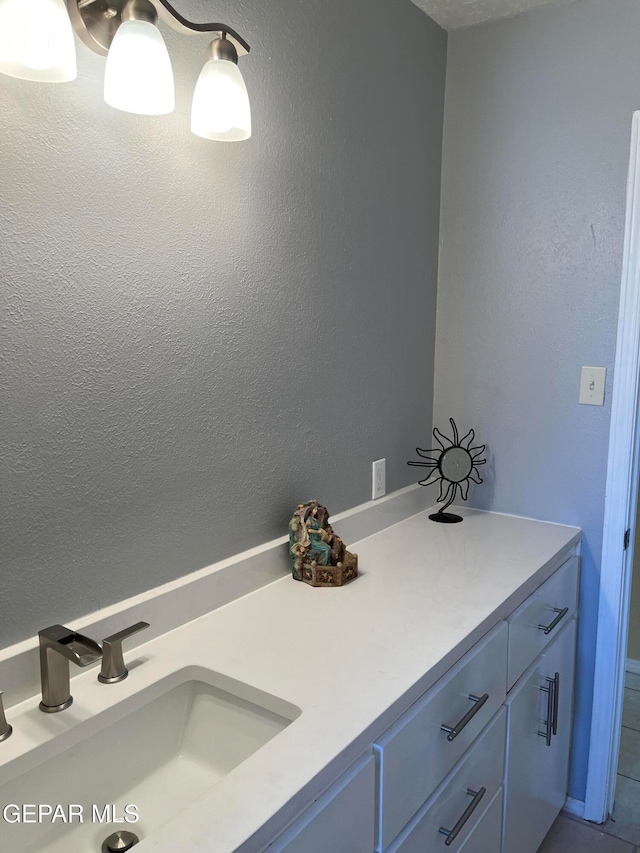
point(97, 21)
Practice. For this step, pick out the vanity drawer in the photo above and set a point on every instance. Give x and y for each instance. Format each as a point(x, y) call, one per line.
point(481, 771)
point(537, 621)
point(415, 754)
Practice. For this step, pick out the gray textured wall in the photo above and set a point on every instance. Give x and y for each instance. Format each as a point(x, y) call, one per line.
point(196, 336)
point(537, 136)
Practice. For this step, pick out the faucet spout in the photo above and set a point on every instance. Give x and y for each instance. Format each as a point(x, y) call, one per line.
point(58, 646)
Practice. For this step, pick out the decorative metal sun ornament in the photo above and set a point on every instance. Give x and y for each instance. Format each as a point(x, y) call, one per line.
point(452, 464)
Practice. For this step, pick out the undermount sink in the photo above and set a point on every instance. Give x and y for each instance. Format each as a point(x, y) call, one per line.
point(159, 756)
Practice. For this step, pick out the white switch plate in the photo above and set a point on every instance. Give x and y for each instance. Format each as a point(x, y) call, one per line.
point(592, 380)
point(378, 479)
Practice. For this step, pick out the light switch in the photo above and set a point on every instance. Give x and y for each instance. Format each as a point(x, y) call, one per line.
point(592, 382)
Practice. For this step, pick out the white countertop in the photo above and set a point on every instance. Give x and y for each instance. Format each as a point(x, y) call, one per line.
point(352, 659)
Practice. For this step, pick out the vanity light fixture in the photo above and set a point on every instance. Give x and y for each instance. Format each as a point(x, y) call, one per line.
point(36, 43)
point(220, 102)
point(138, 77)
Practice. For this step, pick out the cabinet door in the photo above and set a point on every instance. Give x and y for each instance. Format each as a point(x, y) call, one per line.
point(340, 821)
point(540, 710)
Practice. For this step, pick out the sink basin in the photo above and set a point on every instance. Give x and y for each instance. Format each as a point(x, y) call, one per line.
point(159, 756)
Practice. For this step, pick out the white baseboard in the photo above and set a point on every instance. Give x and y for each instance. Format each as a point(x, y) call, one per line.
point(632, 666)
point(573, 807)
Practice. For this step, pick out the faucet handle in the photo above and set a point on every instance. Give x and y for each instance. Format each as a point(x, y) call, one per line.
point(113, 668)
point(5, 728)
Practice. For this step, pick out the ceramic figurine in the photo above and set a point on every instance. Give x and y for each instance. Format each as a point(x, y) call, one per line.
point(318, 555)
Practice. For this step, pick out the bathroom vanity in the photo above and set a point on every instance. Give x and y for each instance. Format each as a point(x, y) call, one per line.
point(504, 763)
point(426, 706)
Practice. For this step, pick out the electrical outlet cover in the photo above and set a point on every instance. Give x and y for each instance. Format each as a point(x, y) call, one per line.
point(378, 479)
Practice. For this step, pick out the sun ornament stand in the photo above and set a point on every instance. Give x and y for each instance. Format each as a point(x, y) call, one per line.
point(452, 464)
point(318, 555)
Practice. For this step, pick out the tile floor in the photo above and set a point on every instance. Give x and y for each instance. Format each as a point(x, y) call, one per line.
point(621, 833)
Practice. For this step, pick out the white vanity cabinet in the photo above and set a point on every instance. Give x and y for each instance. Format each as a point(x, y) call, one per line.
point(418, 751)
point(400, 713)
point(539, 736)
point(542, 643)
point(479, 763)
point(458, 806)
point(531, 655)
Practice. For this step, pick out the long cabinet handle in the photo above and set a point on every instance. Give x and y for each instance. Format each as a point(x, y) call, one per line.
point(452, 834)
point(454, 731)
point(548, 724)
point(556, 703)
point(561, 614)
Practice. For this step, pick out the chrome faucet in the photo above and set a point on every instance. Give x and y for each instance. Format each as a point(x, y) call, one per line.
point(58, 646)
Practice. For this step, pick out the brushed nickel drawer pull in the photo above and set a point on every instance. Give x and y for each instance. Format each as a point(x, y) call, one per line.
point(556, 703)
point(548, 725)
point(452, 834)
point(561, 614)
point(454, 731)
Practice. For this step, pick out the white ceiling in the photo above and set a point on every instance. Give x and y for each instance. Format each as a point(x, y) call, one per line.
point(451, 14)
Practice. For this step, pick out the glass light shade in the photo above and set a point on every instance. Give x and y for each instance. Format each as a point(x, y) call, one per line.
point(221, 107)
point(36, 41)
point(138, 77)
